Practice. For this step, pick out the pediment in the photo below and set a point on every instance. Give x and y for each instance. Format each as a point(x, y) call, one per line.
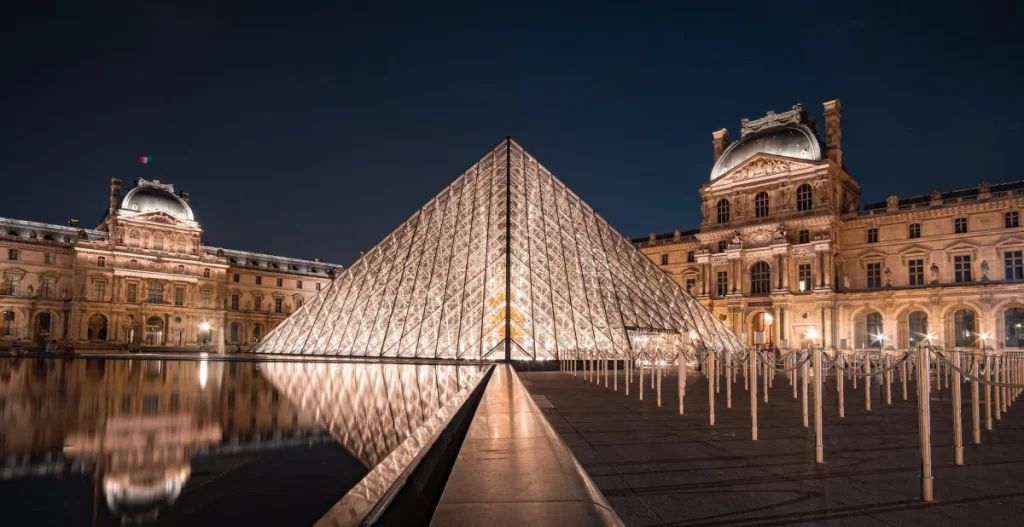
point(912, 252)
point(962, 246)
point(763, 167)
point(1011, 241)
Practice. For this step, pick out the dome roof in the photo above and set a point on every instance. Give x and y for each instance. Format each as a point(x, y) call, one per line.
point(148, 197)
point(791, 140)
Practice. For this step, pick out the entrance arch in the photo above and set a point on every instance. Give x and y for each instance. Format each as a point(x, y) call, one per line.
point(257, 332)
point(97, 328)
point(761, 321)
point(965, 328)
point(917, 325)
point(1013, 320)
point(154, 331)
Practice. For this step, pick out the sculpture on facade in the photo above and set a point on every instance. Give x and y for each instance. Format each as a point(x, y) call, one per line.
point(846, 280)
point(736, 240)
point(888, 277)
point(705, 210)
point(780, 232)
point(984, 270)
point(934, 271)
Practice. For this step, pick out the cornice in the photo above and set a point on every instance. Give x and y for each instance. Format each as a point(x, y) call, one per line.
point(170, 277)
point(901, 216)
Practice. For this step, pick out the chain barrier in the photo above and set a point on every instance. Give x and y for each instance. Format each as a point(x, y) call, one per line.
point(971, 376)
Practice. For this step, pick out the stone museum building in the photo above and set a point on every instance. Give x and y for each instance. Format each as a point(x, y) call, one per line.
point(784, 246)
point(143, 279)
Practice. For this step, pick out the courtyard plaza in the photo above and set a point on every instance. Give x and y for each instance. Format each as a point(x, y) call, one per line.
point(656, 467)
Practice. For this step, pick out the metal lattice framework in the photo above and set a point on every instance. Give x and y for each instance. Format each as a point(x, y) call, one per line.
point(504, 263)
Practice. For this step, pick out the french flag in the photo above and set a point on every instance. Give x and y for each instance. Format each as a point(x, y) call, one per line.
point(145, 160)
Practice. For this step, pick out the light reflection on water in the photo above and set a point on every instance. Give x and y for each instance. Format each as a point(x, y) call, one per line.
point(136, 427)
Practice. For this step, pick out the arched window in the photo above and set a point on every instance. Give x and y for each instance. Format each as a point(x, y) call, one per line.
point(760, 279)
point(918, 325)
point(9, 326)
point(804, 197)
point(761, 205)
point(234, 331)
point(964, 329)
point(875, 330)
point(1014, 319)
point(723, 211)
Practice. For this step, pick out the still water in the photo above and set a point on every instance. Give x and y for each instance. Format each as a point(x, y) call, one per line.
point(179, 442)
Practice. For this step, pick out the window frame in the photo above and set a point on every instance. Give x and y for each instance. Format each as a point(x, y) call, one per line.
point(915, 272)
point(960, 225)
point(1013, 265)
point(913, 231)
point(804, 197)
point(874, 275)
point(722, 284)
point(1011, 219)
point(760, 279)
point(762, 205)
point(962, 269)
point(723, 211)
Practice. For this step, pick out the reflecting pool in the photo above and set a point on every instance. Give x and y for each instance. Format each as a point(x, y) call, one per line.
point(113, 442)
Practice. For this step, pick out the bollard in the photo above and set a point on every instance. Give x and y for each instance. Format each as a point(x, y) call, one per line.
point(988, 393)
point(924, 422)
point(682, 380)
point(975, 417)
point(729, 377)
point(711, 387)
point(641, 383)
point(805, 374)
point(996, 370)
point(659, 384)
point(839, 384)
point(958, 425)
point(819, 444)
point(888, 381)
point(615, 373)
point(753, 394)
point(767, 377)
point(795, 375)
point(903, 378)
point(867, 381)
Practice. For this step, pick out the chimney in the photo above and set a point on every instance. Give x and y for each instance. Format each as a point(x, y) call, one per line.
point(184, 196)
point(833, 132)
point(72, 223)
point(115, 194)
point(720, 141)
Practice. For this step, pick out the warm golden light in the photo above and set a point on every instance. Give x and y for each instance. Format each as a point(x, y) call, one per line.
point(812, 333)
point(204, 326)
point(768, 319)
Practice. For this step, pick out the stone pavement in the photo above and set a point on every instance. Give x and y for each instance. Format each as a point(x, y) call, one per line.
point(658, 468)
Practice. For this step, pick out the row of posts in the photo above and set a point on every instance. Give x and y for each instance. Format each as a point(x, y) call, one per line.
point(1003, 381)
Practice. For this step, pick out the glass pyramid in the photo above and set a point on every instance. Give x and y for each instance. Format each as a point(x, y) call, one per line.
point(504, 263)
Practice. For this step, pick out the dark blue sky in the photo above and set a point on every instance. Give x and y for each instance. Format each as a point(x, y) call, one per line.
point(313, 132)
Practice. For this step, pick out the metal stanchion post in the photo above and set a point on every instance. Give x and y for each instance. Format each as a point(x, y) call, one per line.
point(888, 381)
point(767, 376)
point(640, 362)
point(996, 371)
point(795, 375)
point(615, 372)
point(958, 425)
point(728, 380)
point(805, 381)
point(753, 394)
point(867, 381)
point(711, 387)
point(975, 417)
point(819, 444)
point(682, 380)
point(988, 393)
point(903, 378)
point(839, 383)
point(924, 422)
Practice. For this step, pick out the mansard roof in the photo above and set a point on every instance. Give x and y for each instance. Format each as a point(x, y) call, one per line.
point(46, 232)
point(1008, 188)
point(273, 263)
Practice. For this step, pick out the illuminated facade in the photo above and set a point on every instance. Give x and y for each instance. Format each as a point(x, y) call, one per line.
point(505, 263)
point(143, 278)
point(780, 199)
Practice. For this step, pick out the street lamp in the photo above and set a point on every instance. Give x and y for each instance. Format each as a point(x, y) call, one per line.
point(812, 334)
point(204, 326)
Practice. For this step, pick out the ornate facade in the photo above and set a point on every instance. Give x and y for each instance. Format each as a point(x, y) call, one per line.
point(784, 246)
point(143, 279)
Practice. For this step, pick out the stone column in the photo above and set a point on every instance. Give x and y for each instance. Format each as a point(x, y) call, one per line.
point(776, 325)
point(779, 272)
point(785, 271)
point(737, 284)
point(167, 328)
point(828, 269)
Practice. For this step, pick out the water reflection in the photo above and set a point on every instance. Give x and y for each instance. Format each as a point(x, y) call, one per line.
point(136, 427)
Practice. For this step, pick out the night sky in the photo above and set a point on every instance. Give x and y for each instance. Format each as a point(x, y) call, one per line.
point(313, 132)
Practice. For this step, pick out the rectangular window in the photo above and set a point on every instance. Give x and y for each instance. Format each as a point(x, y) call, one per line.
point(1012, 219)
point(874, 276)
point(99, 290)
point(133, 292)
point(278, 305)
point(179, 296)
point(150, 404)
point(664, 259)
point(234, 278)
point(960, 225)
point(259, 280)
point(962, 268)
point(101, 262)
point(914, 230)
point(1014, 265)
point(49, 258)
point(234, 302)
point(690, 257)
point(12, 254)
point(46, 287)
point(298, 284)
point(690, 284)
point(722, 284)
point(298, 302)
point(804, 237)
point(11, 285)
point(8, 328)
point(156, 293)
point(915, 270)
point(257, 302)
point(204, 298)
point(318, 286)
point(804, 279)
point(280, 282)
point(872, 235)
